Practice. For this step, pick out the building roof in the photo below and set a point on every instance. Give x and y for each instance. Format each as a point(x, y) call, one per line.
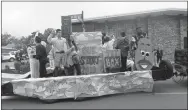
point(128, 16)
point(9, 46)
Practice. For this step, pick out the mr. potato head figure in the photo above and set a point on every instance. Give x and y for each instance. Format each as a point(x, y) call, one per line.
point(144, 57)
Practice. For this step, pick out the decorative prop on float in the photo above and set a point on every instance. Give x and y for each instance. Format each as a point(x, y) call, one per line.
point(144, 57)
point(34, 63)
point(112, 60)
point(83, 86)
point(90, 52)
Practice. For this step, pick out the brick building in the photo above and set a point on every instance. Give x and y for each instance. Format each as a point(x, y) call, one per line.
point(166, 28)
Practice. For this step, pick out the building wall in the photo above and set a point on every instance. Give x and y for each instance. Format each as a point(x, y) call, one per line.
point(166, 32)
point(183, 29)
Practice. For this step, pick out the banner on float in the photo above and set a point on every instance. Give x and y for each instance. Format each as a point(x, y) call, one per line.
point(90, 51)
point(84, 85)
point(112, 58)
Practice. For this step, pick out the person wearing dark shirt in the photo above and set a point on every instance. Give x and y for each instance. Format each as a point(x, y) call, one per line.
point(159, 55)
point(41, 55)
point(18, 55)
point(103, 37)
point(136, 38)
point(122, 43)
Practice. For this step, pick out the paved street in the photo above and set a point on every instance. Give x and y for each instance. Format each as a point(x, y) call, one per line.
point(168, 95)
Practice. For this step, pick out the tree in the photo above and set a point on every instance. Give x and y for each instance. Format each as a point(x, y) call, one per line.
point(5, 39)
point(47, 33)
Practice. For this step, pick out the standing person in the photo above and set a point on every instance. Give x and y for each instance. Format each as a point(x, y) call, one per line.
point(33, 62)
point(103, 37)
point(41, 55)
point(17, 56)
point(111, 42)
point(155, 57)
point(72, 57)
point(134, 41)
point(17, 62)
point(136, 38)
point(161, 54)
point(158, 56)
point(106, 45)
point(51, 57)
point(122, 43)
point(60, 47)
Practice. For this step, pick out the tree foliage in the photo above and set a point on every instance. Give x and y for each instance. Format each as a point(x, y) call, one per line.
point(47, 33)
point(5, 39)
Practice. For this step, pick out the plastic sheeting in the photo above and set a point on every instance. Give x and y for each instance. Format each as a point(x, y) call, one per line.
point(84, 86)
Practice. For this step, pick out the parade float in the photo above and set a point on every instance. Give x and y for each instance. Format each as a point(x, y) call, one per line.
point(100, 73)
point(95, 80)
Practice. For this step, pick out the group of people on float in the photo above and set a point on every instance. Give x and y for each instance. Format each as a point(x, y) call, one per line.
point(64, 51)
point(125, 45)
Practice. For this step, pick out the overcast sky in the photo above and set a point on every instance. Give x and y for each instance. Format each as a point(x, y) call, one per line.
point(22, 18)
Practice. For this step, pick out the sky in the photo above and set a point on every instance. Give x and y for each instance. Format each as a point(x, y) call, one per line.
point(22, 18)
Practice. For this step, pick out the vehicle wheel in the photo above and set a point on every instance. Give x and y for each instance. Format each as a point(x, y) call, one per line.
point(49, 101)
point(168, 69)
point(178, 78)
point(81, 98)
point(11, 59)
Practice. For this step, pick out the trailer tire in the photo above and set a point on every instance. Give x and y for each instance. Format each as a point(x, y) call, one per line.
point(81, 98)
point(48, 101)
point(165, 64)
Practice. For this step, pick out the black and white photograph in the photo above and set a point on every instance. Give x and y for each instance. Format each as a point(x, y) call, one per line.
point(94, 55)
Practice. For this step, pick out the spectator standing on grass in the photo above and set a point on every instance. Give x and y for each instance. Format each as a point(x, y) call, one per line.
point(122, 43)
point(159, 55)
point(60, 47)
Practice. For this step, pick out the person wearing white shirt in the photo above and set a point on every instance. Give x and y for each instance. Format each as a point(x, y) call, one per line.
point(43, 43)
point(108, 44)
point(60, 47)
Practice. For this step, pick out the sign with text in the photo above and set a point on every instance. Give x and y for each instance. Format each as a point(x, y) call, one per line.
point(90, 51)
point(66, 27)
point(112, 62)
point(77, 16)
point(112, 58)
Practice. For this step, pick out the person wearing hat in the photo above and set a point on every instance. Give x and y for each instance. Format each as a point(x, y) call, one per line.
point(60, 47)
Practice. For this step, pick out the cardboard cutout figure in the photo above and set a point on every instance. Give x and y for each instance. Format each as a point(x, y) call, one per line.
point(34, 63)
point(143, 55)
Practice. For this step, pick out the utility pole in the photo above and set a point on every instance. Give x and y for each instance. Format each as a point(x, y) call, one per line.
point(83, 26)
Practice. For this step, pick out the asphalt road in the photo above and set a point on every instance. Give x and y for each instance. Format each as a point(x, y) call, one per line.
point(166, 95)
